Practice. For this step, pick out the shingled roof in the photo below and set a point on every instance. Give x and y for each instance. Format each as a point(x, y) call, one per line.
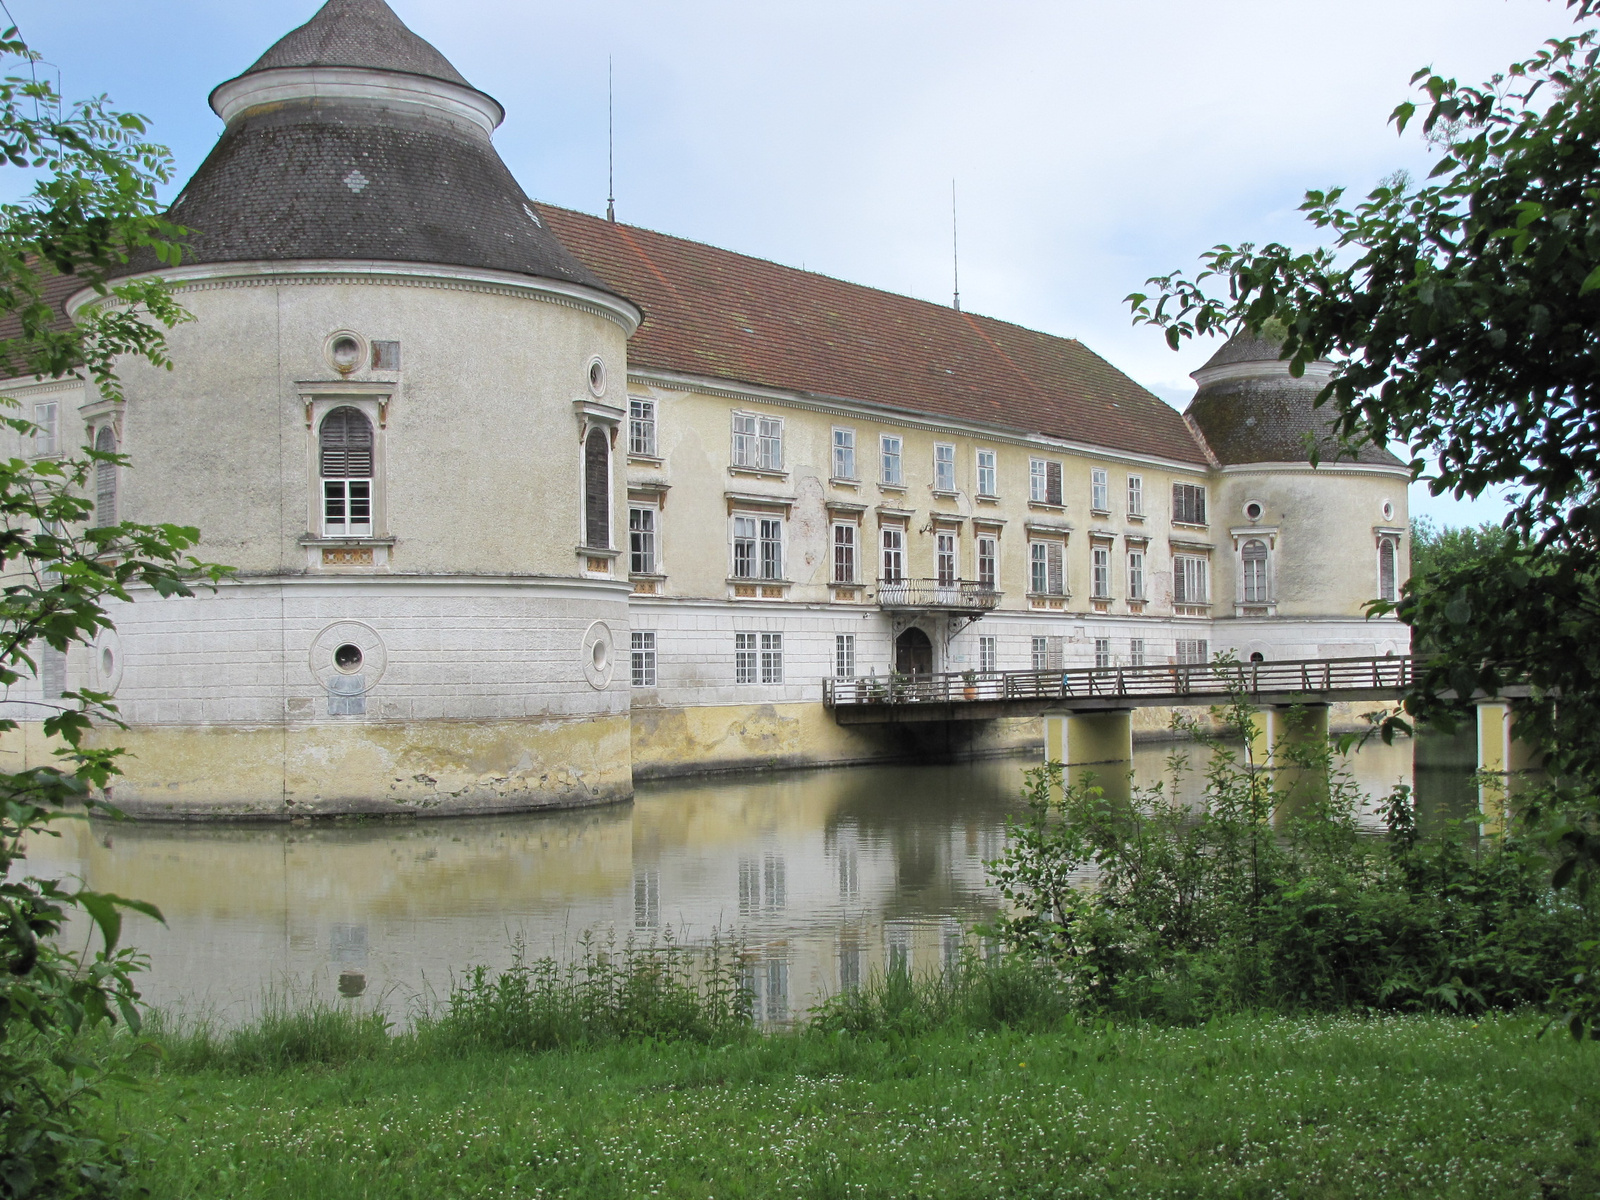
point(714, 313)
point(1267, 415)
point(357, 33)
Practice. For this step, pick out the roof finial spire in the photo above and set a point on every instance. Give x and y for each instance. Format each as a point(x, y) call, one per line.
point(955, 248)
point(611, 152)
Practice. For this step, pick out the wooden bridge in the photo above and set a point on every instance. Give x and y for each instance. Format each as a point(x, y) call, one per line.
point(984, 695)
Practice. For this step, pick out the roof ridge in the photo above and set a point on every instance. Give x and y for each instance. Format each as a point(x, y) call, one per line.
point(364, 34)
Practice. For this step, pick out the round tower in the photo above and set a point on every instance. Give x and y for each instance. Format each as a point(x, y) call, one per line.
point(396, 414)
point(1307, 547)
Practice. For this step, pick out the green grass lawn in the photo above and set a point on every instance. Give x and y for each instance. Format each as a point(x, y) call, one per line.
point(1247, 1107)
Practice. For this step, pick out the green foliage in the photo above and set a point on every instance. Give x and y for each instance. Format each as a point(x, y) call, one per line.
point(1002, 992)
point(93, 203)
point(286, 1035)
point(1268, 895)
point(605, 992)
point(1434, 549)
point(1463, 319)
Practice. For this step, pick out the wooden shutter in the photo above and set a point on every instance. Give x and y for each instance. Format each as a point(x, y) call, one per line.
point(1057, 582)
point(346, 443)
point(105, 479)
point(596, 491)
point(1052, 483)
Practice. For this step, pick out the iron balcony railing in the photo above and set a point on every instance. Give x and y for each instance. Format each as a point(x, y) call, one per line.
point(961, 595)
point(1210, 680)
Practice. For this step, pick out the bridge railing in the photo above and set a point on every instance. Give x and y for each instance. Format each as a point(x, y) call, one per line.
point(1200, 680)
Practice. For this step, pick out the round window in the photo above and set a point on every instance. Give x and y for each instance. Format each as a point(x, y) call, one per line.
point(597, 377)
point(1388, 510)
point(344, 351)
point(1253, 510)
point(107, 660)
point(600, 655)
point(347, 657)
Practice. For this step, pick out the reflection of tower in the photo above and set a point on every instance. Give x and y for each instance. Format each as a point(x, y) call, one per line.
point(646, 899)
point(846, 850)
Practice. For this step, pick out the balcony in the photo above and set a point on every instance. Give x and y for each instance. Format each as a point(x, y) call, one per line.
point(952, 596)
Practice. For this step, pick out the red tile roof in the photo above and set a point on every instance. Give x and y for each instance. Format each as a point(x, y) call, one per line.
point(722, 315)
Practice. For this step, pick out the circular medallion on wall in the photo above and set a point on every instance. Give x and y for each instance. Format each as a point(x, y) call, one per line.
point(597, 376)
point(347, 649)
point(105, 662)
point(345, 350)
point(599, 655)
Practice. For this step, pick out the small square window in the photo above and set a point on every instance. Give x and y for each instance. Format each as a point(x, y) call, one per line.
point(644, 658)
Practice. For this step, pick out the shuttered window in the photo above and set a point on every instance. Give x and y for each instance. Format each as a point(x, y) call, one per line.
point(1386, 570)
point(105, 479)
point(596, 491)
point(1189, 504)
point(1189, 579)
point(346, 442)
point(1044, 481)
point(1047, 577)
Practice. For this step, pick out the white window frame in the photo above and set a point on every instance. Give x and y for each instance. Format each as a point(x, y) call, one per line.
point(1136, 579)
point(641, 427)
point(642, 658)
point(1040, 479)
point(988, 474)
point(988, 653)
point(645, 532)
point(891, 460)
point(1255, 573)
point(1191, 582)
point(745, 655)
point(1047, 566)
point(946, 557)
point(47, 416)
point(1136, 652)
point(1040, 654)
point(892, 553)
point(852, 545)
point(844, 655)
point(760, 536)
point(1100, 572)
point(1193, 492)
point(1390, 544)
point(322, 407)
point(1136, 495)
point(944, 467)
point(1102, 653)
point(844, 453)
point(987, 557)
point(771, 658)
point(757, 442)
point(1100, 490)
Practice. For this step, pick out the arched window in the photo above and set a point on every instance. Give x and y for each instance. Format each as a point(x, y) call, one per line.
point(105, 479)
point(1254, 556)
point(1386, 570)
point(345, 447)
point(596, 491)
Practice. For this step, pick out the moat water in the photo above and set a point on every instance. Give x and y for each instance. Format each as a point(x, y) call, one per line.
point(826, 877)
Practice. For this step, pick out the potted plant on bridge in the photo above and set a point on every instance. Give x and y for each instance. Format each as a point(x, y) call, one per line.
point(969, 680)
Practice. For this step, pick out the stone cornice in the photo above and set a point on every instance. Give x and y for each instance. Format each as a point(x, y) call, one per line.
point(387, 89)
point(208, 276)
point(1327, 468)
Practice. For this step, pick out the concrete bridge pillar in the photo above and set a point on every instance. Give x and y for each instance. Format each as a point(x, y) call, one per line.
point(1507, 765)
point(1097, 743)
point(1286, 729)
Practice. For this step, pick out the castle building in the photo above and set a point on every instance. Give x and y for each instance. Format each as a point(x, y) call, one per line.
point(526, 504)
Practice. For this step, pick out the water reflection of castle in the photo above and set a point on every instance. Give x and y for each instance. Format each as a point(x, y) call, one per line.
point(828, 876)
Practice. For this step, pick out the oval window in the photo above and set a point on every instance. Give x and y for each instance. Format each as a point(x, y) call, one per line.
point(597, 377)
point(345, 352)
point(599, 656)
point(107, 661)
point(347, 657)
point(1253, 510)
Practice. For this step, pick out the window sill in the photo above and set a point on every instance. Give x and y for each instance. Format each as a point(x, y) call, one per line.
point(1191, 525)
point(649, 460)
point(897, 488)
point(840, 481)
point(987, 498)
point(941, 494)
point(1046, 506)
point(311, 539)
point(1139, 517)
point(758, 473)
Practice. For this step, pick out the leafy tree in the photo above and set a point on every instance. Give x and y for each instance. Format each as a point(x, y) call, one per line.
point(92, 203)
point(1434, 549)
point(1463, 316)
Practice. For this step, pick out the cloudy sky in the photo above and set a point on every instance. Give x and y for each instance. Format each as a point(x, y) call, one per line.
point(1093, 144)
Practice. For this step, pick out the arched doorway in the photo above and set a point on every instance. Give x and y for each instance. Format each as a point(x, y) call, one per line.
point(913, 653)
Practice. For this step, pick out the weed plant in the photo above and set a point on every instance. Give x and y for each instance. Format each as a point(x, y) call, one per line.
point(1271, 896)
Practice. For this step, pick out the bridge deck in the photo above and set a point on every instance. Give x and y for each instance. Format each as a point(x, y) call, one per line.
point(869, 700)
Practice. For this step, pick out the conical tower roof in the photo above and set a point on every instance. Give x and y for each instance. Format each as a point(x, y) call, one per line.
point(358, 33)
point(1250, 409)
point(354, 139)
